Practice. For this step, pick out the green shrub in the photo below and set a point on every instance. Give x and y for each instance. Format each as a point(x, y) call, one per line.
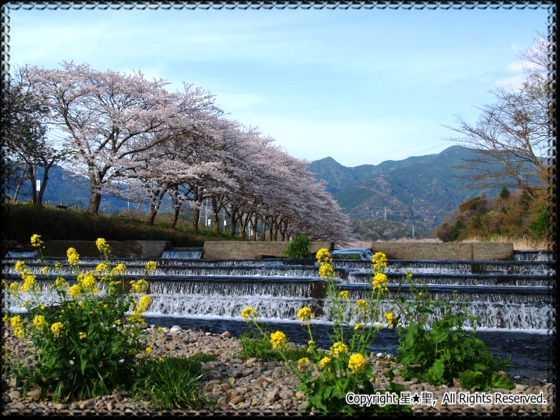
point(440, 350)
point(298, 247)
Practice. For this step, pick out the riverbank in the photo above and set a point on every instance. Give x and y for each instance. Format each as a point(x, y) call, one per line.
point(253, 387)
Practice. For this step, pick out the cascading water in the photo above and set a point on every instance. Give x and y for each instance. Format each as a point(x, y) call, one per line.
point(513, 297)
point(182, 253)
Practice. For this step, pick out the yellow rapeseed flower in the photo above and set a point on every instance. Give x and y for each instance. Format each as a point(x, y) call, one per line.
point(151, 267)
point(324, 362)
point(390, 318)
point(20, 266)
point(362, 304)
point(101, 268)
point(311, 346)
point(323, 255)
point(56, 328)
point(82, 335)
point(15, 321)
point(74, 290)
point(326, 270)
point(344, 294)
point(60, 283)
point(17, 326)
point(139, 286)
point(358, 326)
point(379, 261)
point(305, 314)
point(39, 321)
point(36, 241)
point(278, 340)
point(102, 246)
point(357, 362)
point(303, 362)
point(380, 281)
point(87, 281)
point(144, 303)
point(149, 350)
point(338, 348)
point(73, 256)
point(249, 313)
point(28, 282)
point(119, 269)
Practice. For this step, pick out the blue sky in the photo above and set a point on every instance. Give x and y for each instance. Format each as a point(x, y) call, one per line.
point(360, 85)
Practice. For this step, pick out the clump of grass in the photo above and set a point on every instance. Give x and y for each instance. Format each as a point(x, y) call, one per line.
point(173, 382)
point(255, 345)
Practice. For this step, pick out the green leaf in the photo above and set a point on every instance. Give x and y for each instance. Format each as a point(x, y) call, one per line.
point(435, 373)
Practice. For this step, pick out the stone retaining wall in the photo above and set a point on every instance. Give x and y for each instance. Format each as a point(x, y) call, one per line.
point(479, 251)
point(470, 251)
point(253, 249)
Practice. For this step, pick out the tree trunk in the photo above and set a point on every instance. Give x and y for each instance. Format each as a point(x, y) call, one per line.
point(233, 222)
point(18, 187)
point(176, 211)
point(32, 180)
point(152, 215)
point(196, 216)
point(94, 202)
point(43, 186)
point(216, 209)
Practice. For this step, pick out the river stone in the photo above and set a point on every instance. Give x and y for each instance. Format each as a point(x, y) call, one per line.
point(270, 388)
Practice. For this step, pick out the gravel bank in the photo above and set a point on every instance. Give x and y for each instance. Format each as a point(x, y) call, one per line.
point(253, 387)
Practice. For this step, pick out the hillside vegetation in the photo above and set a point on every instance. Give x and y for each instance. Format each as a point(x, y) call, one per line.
point(509, 215)
point(407, 198)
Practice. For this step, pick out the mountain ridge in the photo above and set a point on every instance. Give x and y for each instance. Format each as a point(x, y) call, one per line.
point(417, 193)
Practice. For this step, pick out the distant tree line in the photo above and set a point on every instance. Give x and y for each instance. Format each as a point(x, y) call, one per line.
point(134, 139)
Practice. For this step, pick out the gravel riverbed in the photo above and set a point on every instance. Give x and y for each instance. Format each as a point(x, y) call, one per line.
point(256, 388)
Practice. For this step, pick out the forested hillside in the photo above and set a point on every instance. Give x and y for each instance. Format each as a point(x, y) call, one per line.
point(400, 198)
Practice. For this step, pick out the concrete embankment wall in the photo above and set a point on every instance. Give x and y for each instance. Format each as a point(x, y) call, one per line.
point(479, 251)
point(253, 249)
point(471, 251)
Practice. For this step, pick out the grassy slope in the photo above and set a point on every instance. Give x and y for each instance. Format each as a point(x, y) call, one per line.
point(21, 221)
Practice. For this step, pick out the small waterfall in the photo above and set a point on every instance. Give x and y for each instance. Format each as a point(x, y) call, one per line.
point(229, 287)
point(508, 295)
point(182, 253)
point(361, 277)
point(21, 254)
point(533, 255)
point(201, 305)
